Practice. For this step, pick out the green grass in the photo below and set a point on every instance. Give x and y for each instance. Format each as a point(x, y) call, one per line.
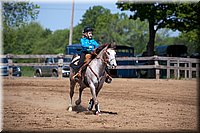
point(27, 71)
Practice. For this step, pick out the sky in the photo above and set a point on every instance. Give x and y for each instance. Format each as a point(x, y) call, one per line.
point(56, 16)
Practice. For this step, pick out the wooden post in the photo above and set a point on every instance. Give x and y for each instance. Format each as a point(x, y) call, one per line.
point(71, 27)
point(60, 65)
point(197, 70)
point(190, 70)
point(157, 70)
point(178, 70)
point(175, 71)
point(10, 64)
point(168, 69)
point(185, 71)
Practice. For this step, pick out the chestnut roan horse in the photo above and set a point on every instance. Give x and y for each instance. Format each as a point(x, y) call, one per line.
point(94, 76)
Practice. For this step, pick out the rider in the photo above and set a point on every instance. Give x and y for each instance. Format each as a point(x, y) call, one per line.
point(88, 49)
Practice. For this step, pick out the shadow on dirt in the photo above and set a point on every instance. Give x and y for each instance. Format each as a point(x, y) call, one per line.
point(80, 109)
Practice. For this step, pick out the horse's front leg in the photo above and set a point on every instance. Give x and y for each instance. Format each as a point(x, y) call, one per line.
point(94, 97)
point(91, 102)
point(78, 101)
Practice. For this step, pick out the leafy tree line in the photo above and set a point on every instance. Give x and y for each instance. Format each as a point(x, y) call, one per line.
point(22, 36)
point(176, 16)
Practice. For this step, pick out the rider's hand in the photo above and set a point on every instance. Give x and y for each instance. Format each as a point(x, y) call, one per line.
point(93, 53)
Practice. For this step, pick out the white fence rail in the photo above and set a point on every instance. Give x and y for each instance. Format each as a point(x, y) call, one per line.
point(188, 65)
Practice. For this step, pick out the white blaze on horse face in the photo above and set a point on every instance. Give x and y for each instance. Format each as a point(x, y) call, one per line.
point(111, 58)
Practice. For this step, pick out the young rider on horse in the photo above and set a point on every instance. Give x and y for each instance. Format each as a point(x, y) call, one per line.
point(89, 46)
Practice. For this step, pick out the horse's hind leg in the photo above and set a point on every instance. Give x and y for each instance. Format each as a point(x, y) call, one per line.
point(72, 85)
point(94, 97)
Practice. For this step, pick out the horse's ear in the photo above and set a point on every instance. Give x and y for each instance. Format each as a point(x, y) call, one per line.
point(110, 45)
point(106, 45)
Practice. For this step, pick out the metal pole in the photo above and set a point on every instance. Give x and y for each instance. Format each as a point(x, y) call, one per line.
point(71, 27)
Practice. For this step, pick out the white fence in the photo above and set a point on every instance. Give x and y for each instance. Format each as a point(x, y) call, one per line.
point(190, 66)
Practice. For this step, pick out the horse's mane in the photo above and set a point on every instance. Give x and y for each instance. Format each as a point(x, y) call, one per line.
point(101, 47)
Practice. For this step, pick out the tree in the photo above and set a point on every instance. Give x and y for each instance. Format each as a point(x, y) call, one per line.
point(16, 14)
point(24, 39)
point(176, 16)
point(113, 28)
point(57, 41)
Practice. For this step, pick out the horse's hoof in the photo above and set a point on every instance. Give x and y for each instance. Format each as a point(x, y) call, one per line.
point(89, 109)
point(98, 113)
point(78, 102)
point(70, 109)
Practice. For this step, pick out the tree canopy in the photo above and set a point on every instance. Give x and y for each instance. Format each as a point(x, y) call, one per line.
point(32, 38)
point(175, 16)
point(16, 14)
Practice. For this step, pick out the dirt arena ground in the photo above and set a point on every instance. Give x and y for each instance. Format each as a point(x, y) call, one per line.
point(40, 104)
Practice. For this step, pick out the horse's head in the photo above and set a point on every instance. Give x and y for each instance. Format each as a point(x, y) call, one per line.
point(110, 58)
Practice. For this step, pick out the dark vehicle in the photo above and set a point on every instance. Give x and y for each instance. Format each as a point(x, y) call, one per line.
point(73, 49)
point(5, 69)
point(124, 51)
point(50, 69)
point(195, 55)
point(171, 51)
point(167, 51)
point(141, 73)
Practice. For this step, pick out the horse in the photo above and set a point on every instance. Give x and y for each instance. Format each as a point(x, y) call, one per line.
point(93, 77)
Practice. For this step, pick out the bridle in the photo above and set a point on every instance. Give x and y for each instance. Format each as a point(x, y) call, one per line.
point(105, 58)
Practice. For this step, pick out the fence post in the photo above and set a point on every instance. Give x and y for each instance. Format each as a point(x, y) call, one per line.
point(197, 70)
point(178, 70)
point(168, 69)
point(10, 65)
point(60, 65)
point(190, 70)
point(175, 71)
point(157, 70)
point(185, 71)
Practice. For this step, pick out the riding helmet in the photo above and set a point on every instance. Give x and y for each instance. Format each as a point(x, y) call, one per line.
point(87, 29)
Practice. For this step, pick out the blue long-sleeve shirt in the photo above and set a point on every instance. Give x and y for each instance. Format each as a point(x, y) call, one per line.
point(88, 45)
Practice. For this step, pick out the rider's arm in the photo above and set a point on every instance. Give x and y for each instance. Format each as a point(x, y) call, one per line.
point(89, 45)
point(96, 45)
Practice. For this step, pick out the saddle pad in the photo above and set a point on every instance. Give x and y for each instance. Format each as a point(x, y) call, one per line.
point(75, 60)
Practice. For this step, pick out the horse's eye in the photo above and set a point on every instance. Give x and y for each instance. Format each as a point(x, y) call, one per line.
point(108, 53)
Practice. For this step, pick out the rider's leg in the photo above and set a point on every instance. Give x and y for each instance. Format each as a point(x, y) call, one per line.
point(80, 64)
point(86, 62)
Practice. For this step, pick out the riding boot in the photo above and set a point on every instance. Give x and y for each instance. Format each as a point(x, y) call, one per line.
point(77, 76)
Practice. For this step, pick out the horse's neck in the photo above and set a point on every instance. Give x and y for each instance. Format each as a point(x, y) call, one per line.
point(98, 65)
